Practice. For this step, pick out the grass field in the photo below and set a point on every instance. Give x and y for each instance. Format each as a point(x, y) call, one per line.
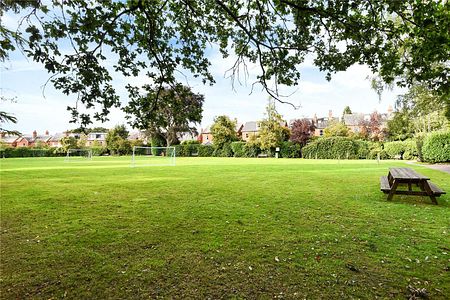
point(218, 228)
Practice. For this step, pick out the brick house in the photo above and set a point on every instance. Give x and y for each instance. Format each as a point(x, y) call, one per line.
point(55, 140)
point(249, 129)
point(206, 136)
point(96, 138)
point(10, 140)
point(322, 123)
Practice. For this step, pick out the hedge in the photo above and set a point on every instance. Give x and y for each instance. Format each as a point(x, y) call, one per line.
point(290, 150)
point(402, 149)
point(31, 152)
point(436, 147)
point(238, 149)
point(336, 148)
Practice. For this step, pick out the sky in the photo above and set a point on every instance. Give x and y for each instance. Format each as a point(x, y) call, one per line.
point(41, 110)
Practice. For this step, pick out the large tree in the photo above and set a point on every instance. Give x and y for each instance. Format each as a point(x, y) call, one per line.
point(160, 38)
point(271, 129)
point(417, 111)
point(223, 131)
point(165, 113)
point(301, 131)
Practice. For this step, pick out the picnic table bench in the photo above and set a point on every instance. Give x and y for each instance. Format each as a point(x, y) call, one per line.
point(409, 177)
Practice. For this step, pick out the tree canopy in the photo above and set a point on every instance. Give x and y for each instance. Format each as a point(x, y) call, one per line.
point(223, 131)
point(272, 130)
point(402, 41)
point(165, 112)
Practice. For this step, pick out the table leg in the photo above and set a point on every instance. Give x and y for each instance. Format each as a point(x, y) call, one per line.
point(392, 191)
point(427, 188)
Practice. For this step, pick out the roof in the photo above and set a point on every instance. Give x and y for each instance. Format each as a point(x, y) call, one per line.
point(9, 139)
point(29, 138)
point(42, 138)
point(56, 137)
point(250, 126)
point(353, 119)
point(206, 130)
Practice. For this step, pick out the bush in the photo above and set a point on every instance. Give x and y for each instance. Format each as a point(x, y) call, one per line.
point(436, 147)
point(205, 150)
point(290, 150)
point(187, 150)
point(333, 148)
point(190, 142)
point(251, 150)
point(404, 149)
point(238, 149)
point(99, 151)
point(31, 152)
point(225, 151)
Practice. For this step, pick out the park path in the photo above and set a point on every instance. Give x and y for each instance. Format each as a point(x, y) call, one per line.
point(443, 168)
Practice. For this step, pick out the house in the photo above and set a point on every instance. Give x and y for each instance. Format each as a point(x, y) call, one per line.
point(41, 140)
point(55, 140)
point(10, 140)
point(355, 121)
point(96, 139)
point(322, 123)
point(249, 130)
point(206, 136)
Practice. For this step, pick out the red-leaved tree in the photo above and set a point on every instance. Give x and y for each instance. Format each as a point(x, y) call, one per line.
point(301, 131)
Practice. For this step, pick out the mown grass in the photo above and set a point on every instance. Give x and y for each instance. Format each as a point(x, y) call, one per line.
point(218, 228)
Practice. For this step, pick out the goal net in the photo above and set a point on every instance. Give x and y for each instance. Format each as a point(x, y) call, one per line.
point(78, 154)
point(153, 156)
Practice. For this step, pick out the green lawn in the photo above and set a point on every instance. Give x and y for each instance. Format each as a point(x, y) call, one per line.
point(218, 228)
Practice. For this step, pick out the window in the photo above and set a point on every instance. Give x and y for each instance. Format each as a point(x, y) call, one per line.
point(207, 137)
point(321, 132)
point(246, 135)
point(98, 136)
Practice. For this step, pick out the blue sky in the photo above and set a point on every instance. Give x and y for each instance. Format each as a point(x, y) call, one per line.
point(39, 110)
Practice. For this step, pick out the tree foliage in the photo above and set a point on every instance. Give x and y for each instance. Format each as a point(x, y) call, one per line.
point(301, 131)
point(117, 140)
point(223, 131)
point(408, 38)
point(418, 111)
point(165, 112)
point(271, 129)
point(336, 129)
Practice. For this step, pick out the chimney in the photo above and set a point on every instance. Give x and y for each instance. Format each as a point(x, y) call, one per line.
point(330, 114)
point(34, 134)
point(315, 118)
point(46, 132)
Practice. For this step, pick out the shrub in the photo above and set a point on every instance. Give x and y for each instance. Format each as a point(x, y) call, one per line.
point(405, 149)
point(225, 151)
point(436, 147)
point(238, 149)
point(332, 148)
point(190, 142)
point(99, 151)
point(32, 152)
point(205, 150)
point(251, 149)
point(186, 150)
point(290, 150)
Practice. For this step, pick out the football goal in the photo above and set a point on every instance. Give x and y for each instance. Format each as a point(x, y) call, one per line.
point(78, 154)
point(153, 156)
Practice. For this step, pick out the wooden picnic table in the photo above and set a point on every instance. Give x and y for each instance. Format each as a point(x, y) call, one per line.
point(409, 177)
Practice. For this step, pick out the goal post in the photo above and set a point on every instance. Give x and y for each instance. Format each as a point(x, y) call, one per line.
point(153, 156)
point(78, 154)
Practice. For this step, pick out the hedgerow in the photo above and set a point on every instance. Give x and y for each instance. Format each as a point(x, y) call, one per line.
point(436, 147)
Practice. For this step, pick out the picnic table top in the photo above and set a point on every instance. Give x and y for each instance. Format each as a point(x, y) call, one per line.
point(406, 173)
